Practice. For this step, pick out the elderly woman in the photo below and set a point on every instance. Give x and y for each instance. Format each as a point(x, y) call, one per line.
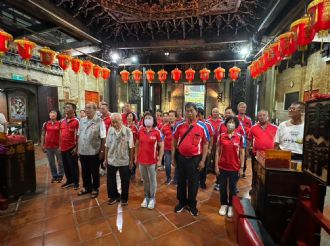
point(119, 152)
point(148, 139)
point(229, 159)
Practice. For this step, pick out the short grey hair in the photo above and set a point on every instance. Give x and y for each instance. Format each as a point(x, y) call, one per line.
point(240, 104)
point(93, 104)
point(263, 110)
point(116, 116)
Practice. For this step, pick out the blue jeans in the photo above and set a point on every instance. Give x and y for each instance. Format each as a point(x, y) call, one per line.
point(56, 170)
point(232, 177)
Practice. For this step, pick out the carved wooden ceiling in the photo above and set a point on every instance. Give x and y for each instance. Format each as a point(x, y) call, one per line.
point(129, 20)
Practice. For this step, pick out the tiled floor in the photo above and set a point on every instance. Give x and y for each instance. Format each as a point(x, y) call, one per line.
point(53, 216)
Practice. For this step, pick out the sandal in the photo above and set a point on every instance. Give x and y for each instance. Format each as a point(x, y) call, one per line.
point(83, 192)
point(94, 194)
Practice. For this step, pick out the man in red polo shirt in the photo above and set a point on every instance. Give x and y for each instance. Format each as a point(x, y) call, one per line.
point(159, 118)
point(261, 135)
point(247, 124)
point(69, 130)
point(50, 143)
point(104, 109)
point(127, 109)
point(215, 121)
point(203, 173)
point(179, 117)
point(189, 150)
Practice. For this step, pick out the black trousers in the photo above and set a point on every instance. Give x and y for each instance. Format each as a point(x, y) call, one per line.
point(90, 165)
point(125, 174)
point(188, 177)
point(70, 165)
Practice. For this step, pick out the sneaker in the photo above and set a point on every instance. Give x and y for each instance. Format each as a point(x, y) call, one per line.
point(145, 202)
point(76, 187)
point(66, 185)
point(243, 176)
point(217, 187)
point(152, 203)
point(193, 211)
point(223, 210)
point(59, 179)
point(124, 202)
point(179, 208)
point(168, 181)
point(230, 212)
point(94, 194)
point(53, 180)
point(112, 201)
point(174, 182)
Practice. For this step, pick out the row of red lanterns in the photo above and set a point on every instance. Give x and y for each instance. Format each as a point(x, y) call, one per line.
point(176, 74)
point(301, 34)
point(47, 56)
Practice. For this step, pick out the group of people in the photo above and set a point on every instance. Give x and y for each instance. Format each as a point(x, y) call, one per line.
point(192, 145)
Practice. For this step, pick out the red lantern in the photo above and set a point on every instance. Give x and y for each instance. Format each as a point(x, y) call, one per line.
point(274, 53)
point(97, 71)
point(234, 73)
point(75, 65)
point(105, 73)
point(176, 75)
point(204, 74)
point(150, 76)
point(25, 48)
point(219, 73)
point(47, 56)
point(253, 70)
point(137, 74)
point(63, 61)
point(319, 11)
point(124, 76)
point(266, 59)
point(4, 38)
point(87, 67)
point(287, 44)
point(304, 32)
point(190, 75)
point(162, 76)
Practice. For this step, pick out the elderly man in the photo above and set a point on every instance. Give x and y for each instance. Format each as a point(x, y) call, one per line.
point(119, 152)
point(261, 136)
point(290, 133)
point(91, 140)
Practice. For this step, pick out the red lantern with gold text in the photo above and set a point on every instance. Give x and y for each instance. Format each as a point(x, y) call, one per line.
point(4, 39)
point(219, 73)
point(47, 56)
point(75, 65)
point(63, 61)
point(87, 67)
point(176, 75)
point(234, 73)
point(287, 42)
point(319, 10)
point(274, 53)
point(304, 32)
point(124, 76)
point(25, 48)
point(105, 73)
point(150, 75)
point(162, 76)
point(137, 75)
point(190, 74)
point(97, 71)
point(204, 74)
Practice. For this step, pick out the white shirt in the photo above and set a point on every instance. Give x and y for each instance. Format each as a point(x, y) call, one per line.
point(3, 121)
point(290, 137)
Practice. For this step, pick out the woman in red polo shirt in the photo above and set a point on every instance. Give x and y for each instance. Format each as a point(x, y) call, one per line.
point(230, 158)
point(148, 139)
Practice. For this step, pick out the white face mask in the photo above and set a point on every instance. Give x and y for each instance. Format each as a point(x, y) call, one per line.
point(231, 126)
point(148, 122)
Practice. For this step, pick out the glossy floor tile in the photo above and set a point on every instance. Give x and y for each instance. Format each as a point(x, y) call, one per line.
point(55, 216)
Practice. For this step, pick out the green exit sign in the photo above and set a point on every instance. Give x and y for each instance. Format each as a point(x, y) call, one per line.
point(17, 77)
